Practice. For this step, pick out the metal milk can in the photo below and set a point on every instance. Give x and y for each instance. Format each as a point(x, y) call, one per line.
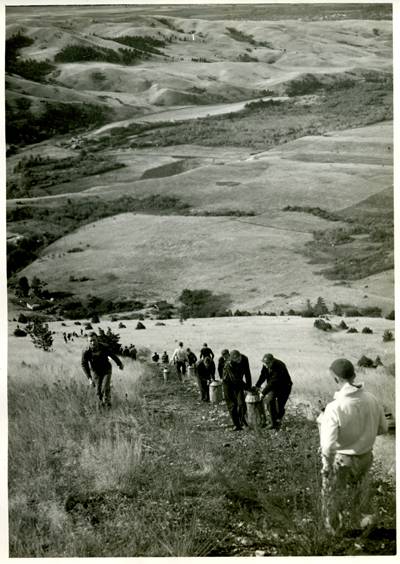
point(216, 391)
point(255, 410)
point(165, 374)
point(191, 371)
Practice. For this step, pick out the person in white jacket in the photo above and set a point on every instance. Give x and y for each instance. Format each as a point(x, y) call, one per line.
point(180, 358)
point(348, 428)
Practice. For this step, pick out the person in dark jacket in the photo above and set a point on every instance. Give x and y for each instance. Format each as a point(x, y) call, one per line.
point(221, 362)
point(278, 387)
point(203, 375)
point(97, 368)
point(235, 369)
point(155, 357)
point(206, 351)
point(165, 357)
point(192, 358)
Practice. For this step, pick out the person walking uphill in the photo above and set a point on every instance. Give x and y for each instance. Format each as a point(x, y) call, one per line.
point(179, 358)
point(206, 351)
point(235, 369)
point(204, 377)
point(348, 428)
point(97, 368)
point(278, 388)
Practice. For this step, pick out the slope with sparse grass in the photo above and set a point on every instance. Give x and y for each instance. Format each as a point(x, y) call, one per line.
point(92, 485)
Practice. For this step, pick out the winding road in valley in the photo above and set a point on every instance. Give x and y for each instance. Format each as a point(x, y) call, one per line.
point(182, 113)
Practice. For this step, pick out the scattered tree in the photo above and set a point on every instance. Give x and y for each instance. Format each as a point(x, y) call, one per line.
point(40, 334)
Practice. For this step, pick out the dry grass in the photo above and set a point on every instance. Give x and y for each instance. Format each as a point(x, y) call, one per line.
point(158, 475)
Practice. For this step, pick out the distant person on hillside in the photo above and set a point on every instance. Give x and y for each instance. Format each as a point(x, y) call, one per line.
point(235, 369)
point(96, 365)
point(165, 357)
point(132, 352)
point(348, 428)
point(206, 351)
point(179, 359)
point(278, 388)
point(192, 358)
point(155, 357)
point(221, 362)
point(203, 375)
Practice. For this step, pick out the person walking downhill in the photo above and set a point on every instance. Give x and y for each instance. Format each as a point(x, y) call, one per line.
point(277, 390)
point(179, 358)
point(203, 375)
point(97, 368)
point(348, 428)
point(235, 369)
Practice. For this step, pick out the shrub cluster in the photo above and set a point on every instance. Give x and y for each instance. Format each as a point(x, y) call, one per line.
point(24, 127)
point(27, 68)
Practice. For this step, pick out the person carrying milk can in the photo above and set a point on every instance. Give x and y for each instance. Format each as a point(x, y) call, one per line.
point(97, 368)
point(203, 375)
point(348, 427)
point(179, 358)
point(236, 369)
point(221, 362)
point(165, 357)
point(277, 390)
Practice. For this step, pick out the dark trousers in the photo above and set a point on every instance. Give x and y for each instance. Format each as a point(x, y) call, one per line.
point(234, 397)
point(204, 389)
point(276, 401)
point(180, 367)
point(103, 387)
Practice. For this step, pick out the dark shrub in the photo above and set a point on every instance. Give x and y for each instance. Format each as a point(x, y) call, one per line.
point(121, 325)
point(365, 362)
point(77, 323)
point(140, 325)
point(160, 323)
point(387, 336)
point(378, 361)
point(19, 332)
point(40, 334)
point(367, 330)
point(390, 315)
point(322, 325)
point(343, 325)
point(352, 330)
point(95, 318)
point(88, 326)
point(22, 318)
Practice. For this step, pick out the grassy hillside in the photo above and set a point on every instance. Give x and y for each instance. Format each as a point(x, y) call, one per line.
point(167, 61)
point(327, 145)
point(92, 485)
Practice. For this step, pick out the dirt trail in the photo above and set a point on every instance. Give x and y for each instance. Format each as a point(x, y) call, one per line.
point(183, 113)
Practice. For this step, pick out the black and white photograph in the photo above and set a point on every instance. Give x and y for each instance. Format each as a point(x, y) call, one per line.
point(199, 286)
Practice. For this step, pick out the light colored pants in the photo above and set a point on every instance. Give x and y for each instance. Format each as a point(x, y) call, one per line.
point(345, 490)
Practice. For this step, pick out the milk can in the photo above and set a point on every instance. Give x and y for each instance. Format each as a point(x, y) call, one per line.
point(255, 410)
point(191, 371)
point(216, 391)
point(165, 374)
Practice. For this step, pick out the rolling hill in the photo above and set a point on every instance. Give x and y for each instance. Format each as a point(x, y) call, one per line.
point(232, 118)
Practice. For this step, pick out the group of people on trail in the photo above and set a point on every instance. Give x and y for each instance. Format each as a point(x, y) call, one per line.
point(348, 426)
